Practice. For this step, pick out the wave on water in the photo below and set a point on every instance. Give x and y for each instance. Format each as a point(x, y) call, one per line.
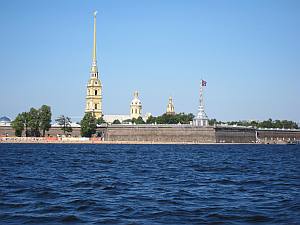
point(149, 184)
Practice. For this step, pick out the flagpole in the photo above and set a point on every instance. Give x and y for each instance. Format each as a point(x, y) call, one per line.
point(201, 97)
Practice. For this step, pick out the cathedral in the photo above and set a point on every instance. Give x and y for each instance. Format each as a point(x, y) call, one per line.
point(135, 106)
point(94, 97)
point(94, 92)
point(135, 111)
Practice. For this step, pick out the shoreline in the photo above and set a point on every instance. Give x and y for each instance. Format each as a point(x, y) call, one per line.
point(99, 141)
point(131, 143)
point(24, 140)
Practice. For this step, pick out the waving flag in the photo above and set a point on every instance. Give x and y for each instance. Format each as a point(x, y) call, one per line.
point(203, 84)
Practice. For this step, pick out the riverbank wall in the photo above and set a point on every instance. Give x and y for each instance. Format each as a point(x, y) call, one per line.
point(168, 134)
point(277, 136)
point(156, 134)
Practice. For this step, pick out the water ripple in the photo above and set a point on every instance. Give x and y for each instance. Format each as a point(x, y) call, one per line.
point(149, 184)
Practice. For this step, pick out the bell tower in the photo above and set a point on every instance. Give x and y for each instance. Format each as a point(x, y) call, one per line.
point(170, 107)
point(94, 87)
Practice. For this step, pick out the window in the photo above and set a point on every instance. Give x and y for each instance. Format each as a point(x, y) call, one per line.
point(96, 92)
point(135, 110)
point(95, 106)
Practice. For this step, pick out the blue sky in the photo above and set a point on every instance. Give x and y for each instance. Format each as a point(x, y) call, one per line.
point(247, 51)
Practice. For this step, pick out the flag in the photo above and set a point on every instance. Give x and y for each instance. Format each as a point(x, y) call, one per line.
point(203, 84)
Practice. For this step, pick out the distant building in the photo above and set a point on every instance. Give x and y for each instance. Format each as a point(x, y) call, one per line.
point(94, 94)
point(135, 106)
point(201, 118)
point(170, 107)
point(111, 118)
point(135, 112)
point(94, 87)
point(5, 121)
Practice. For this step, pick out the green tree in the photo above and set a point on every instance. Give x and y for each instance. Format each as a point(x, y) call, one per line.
point(34, 122)
point(151, 120)
point(18, 125)
point(65, 123)
point(88, 125)
point(45, 118)
point(212, 122)
point(100, 120)
point(175, 119)
point(254, 123)
point(116, 121)
point(127, 121)
point(25, 118)
point(139, 120)
point(266, 124)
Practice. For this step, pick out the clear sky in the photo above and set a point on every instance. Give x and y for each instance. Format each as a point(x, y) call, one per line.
point(247, 51)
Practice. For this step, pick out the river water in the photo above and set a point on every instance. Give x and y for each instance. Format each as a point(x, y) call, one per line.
point(149, 184)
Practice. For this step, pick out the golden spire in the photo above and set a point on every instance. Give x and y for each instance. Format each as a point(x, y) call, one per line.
point(94, 69)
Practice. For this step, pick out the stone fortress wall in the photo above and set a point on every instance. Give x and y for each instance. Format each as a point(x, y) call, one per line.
point(160, 133)
point(179, 134)
point(272, 136)
point(235, 135)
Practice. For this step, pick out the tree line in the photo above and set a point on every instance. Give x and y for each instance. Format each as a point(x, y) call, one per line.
point(180, 118)
point(287, 124)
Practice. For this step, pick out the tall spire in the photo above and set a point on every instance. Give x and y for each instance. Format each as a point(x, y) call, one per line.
point(94, 86)
point(94, 69)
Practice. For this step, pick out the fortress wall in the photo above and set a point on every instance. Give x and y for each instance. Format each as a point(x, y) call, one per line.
point(7, 131)
point(235, 135)
point(179, 134)
point(160, 133)
point(277, 136)
point(54, 131)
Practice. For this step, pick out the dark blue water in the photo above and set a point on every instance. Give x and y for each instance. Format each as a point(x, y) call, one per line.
point(149, 184)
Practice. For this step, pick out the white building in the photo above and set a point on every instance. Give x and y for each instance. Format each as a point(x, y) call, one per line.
point(135, 111)
point(201, 119)
point(5, 121)
point(112, 118)
point(135, 106)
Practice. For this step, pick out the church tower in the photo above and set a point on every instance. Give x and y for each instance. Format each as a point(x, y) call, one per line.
point(94, 87)
point(170, 107)
point(135, 106)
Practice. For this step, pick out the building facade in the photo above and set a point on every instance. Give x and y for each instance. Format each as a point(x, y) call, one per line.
point(135, 106)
